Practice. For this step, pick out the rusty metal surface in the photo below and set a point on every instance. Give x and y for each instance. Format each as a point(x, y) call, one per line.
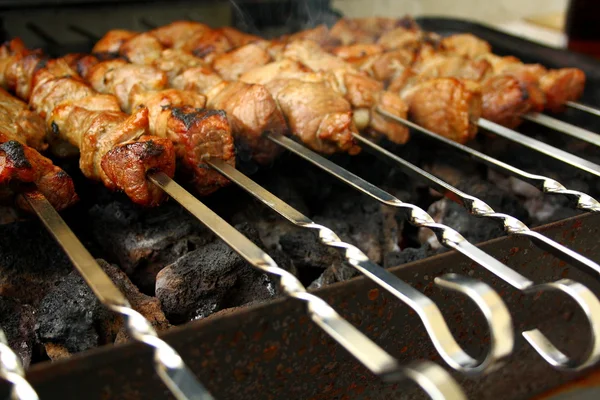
point(272, 351)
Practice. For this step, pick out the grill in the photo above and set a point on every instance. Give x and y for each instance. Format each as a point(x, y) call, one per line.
point(276, 348)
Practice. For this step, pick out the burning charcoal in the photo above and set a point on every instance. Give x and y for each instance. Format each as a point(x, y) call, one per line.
point(474, 229)
point(72, 317)
point(143, 241)
point(211, 278)
point(31, 262)
point(410, 254)
point(307, 252)
point(148, 306)
point(18, 323)
point(335, 273)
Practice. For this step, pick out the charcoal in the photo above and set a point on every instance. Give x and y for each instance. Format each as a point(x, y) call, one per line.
point(72, 317)
point(31, 262)
point(146, 305)
point(17, 320)
point(8, 215)
point(143, 241)
point(410, 254)
point(306, 251)
point(211, 278)
point(334, 273)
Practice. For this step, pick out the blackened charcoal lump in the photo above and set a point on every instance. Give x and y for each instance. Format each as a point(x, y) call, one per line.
point(18, 320)
point(410, 254)
point(143, 241)
point(71, 316)
point(211, 278)
point(31, 262)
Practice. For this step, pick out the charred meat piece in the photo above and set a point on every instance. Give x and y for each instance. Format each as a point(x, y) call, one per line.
point(316, 114)
point(466, 44)
point(562, 85)
point(176, 34)
point(20, 164)
point(142, 49)
point(252, 112)
point(207, 44)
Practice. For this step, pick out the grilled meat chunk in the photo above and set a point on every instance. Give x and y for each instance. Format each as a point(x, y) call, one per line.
point(176, 34)
point(446, 106)
point(318, 115)
point(252, 112)
point(466, 44)
point(197, 133)
point(18, 123)
point(21, 164)
point(233, 64)
point(504, 100)
point(142, 49)
point(562, 85)
point(112, 41)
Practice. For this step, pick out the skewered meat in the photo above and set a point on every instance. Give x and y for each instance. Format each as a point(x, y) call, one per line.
point(233, 64)
point(57, 93)
point(112, 41)
point(317, 114)
point(22, 164)
point(466, 45)
point(177, 115)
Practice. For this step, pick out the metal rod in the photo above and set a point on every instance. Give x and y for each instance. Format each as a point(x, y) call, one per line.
point(583, 107)
point(479, 208)
point(448, 237)
point(541, 147)
point(496, 314)
point(360, 346)
point(12, 371)
point(169, 365)
point(547, 185)
point(561, 126)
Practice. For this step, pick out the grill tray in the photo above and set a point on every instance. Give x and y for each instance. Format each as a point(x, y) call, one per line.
point(272, 351)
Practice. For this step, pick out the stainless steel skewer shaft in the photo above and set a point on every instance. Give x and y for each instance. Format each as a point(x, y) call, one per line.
point(580, 200)
point(448, 237)
point(168, 364)
point(496, 314)
point(561, 126)
point(479, 208)
point(541, 147)
point(12, 371)
point(356, 343)
point(583, 107)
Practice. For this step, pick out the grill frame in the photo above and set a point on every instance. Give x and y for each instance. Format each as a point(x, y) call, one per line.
point(222, 349)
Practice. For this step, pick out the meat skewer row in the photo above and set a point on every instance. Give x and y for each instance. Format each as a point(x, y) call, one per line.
point(313, 111)
point(22, 165)
point(116, 148)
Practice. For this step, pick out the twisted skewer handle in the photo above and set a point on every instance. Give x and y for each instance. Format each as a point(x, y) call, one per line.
point(440, 385)
point(496, 314)
point(547, 185)
point(448, 237)
point(12, 370)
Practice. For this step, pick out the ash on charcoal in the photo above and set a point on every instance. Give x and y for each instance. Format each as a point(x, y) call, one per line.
point(31, 262)
point(17, 320)
point(143, 241)
point(211, 278)
point(146, 305)
point(71, 316)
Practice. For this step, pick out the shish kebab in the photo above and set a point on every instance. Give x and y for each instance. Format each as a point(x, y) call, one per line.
point(300, 74)
point(430, 377)
point(44, 188)
point(109, 77)
point(512, 90)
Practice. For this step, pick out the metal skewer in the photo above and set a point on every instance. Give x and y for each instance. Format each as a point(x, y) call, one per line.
point(169, 365)
point(561, 126)
point(479, 208)
point(355, 342)
point(495, 311)
point(583, 107)
point(541, 147)
point(448, 237)
point(579, 200)
point(12, 371)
